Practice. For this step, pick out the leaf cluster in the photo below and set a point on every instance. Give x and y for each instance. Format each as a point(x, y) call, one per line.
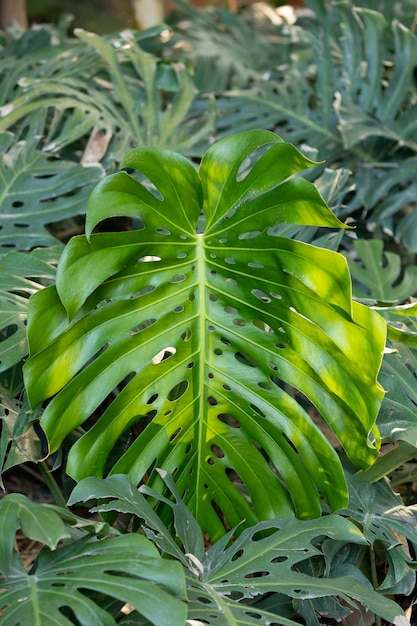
point(187, 327)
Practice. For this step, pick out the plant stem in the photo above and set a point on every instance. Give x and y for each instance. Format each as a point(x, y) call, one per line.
point(52, 484)
point(374, 578)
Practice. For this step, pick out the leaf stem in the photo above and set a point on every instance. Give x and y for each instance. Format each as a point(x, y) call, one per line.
point(52, 484)
point(374, 579)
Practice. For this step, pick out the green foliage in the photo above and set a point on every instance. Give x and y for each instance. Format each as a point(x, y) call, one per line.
point(343, 82)
point(379, 275)
point(203, 339)
point(37, 190)
point(227, 583)
point(73, 579)
point(107, 90)
point(204, 335)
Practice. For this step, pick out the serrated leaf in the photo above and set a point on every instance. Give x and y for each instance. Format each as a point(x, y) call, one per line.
point(206, 329)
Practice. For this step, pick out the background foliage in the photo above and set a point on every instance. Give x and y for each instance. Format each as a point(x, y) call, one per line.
point(336, 80)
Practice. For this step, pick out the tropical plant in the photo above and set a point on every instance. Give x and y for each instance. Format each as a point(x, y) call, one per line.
point(108, 90)
point(96, 574)
point(193, 333)
point(342, 81)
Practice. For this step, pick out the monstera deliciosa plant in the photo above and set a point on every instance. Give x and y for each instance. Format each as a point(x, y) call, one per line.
point(202, 340)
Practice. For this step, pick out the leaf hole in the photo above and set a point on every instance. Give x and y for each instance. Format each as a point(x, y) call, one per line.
point(258, 323)
point(228, 419)
point(178, 391)
point(175, 434)
point(280, 559)
point(186, 335)
point(263, 534)
point(218, 352)
point(261, 295)
point(230, 309)
point(250, 160)
point(217, 451)
point(213, 297)
point(253, 615)
point(225, 341)
point(245, 359)
point(178, 309)
point(257, 410)
point(254, 265)
point(8, 332)
point(190, 365)
point(250, 235)
point(257, 575)
point(275, 295)
point(178, 279)
point(182, 255)
point(163, 355)
point(239, 322)
point(163, 231)
point(230, 260)
point(152, 398)
point(237, 555)
point(16, 204)
point(231, 282)
point(265, 386)
point(204, 601)
point(143, 291)
point(212, 401)
point(140, 327)
point(149, 259)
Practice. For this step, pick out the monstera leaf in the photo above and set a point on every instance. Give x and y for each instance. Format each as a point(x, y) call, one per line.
point(37, 190)
point(76, 578)
point(203, 333)
point(230, 582)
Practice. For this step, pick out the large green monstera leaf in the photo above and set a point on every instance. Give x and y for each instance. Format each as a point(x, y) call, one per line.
point(203, 333)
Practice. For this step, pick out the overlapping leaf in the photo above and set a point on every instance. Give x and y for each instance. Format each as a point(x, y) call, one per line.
point(127, 568)
point(225, 584)
point(37, 190)
point(21, 275)
point(198, 339)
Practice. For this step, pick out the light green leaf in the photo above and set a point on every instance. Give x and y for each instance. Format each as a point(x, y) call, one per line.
point(209, 334)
